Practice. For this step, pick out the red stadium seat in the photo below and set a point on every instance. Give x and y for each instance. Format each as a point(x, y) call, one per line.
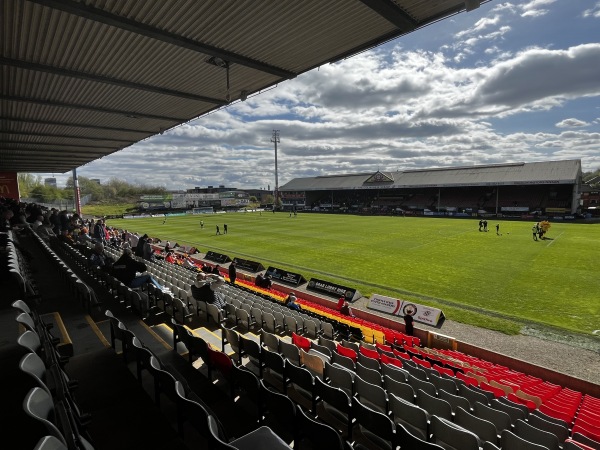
point(369, 353)
point(467, 379)
point(444, 370)
point(348, 352)
point(592, 433)
point(557, 414)
point(301, 342)
point(392, 361)
point(402, 355)
point(523, 401)
point(385, 348)
point(422, 362)
point(494, 390)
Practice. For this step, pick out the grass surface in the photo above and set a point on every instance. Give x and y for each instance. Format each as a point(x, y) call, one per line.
point(475, 277)
point(100, 210)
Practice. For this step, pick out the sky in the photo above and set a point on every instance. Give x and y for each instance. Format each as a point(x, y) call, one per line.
point(508, 82)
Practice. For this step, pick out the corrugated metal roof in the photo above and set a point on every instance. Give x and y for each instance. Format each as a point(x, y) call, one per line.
point(550, 172)
point(124, 70)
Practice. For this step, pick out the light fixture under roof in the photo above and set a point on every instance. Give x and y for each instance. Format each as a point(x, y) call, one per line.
point(219, 62)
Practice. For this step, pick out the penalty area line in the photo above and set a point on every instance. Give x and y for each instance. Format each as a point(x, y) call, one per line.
point(552, 241)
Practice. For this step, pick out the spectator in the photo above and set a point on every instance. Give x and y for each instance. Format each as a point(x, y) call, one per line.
point(232, 272)
point(346, 310)
point(99, 258)
point(263, 281)
point(204, 289)
point(100, 231)
point(126, 268)
point(139, 248)
point(290, 302)
point(408, 324)
point(148, 252)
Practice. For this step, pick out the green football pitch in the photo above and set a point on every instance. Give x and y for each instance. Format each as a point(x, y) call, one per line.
point(495, 281)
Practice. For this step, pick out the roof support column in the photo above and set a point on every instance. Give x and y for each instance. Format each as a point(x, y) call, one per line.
point(497, 197)
point(76, 196)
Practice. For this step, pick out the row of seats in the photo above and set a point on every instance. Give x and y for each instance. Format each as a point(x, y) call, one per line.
point(16, 272)
point(170, 386)
point(500, 423)
point(582, 413)
point(58, 422)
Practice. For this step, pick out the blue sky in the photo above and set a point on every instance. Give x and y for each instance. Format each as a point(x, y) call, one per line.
point(509, 82)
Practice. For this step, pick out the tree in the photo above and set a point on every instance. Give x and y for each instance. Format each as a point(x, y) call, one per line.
point(27, 182)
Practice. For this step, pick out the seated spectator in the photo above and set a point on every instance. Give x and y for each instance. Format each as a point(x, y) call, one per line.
point(216, 270)
point(6, 217)
point(204, 289)
point(346, 310)
point(263, 281)
point(125, 269)
point(290, 302)
point(64, 236)
point(268, 283)
point(170, 258)
point(189, 263)
point(100, 259)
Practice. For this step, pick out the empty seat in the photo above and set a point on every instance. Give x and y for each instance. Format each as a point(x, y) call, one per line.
point(316, 434)
point(485, 430)
point(336, 403)
point(400, 389)
point(533, 434)
point(376, 426)
point(414, 418)
point(499, 418)
point(434, 405)
point(509, 440)
point(451, 436)
point(454, 400)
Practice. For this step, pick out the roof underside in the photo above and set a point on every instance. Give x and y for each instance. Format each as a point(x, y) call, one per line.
point(83, 79)
point(550, 172)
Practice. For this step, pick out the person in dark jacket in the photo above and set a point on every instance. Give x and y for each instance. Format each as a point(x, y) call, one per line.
point(125, 269)
point(232, 273)
point(139, 248)
point(204, 288)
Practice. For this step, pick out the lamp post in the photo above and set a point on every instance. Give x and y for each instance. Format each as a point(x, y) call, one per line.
point(275, 140)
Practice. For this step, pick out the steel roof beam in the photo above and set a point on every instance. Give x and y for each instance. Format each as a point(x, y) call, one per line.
point(393, 14)
point(56, 144)
point(74, 125)
point(129, 114)
point(106, 80)
point(101, 16)
point(64, 136)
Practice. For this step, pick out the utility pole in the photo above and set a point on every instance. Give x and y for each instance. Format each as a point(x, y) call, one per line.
point(275, 140)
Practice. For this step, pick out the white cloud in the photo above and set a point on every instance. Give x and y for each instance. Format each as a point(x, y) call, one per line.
point(535, 8)
point(594, 11)
point(572, 123)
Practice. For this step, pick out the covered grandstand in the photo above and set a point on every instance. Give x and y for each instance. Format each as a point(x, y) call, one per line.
point(516, 189)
